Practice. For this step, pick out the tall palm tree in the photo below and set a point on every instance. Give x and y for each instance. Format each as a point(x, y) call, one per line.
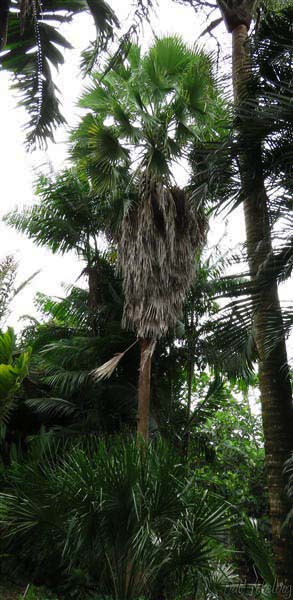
point(274, 377)
point(143, 116)
point(258, 130)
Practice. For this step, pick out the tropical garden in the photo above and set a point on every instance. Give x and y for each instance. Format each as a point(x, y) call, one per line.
point(146, 416)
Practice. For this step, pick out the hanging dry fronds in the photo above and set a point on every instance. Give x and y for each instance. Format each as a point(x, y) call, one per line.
point(159, 239)
point(105, 370)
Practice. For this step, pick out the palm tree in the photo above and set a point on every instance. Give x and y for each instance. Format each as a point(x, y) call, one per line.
point(69, 217)
point(262, 152)
point(83, 329)
point(274, 378)
point(143, 115)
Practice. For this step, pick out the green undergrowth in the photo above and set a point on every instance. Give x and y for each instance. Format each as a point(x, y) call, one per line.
point(22, 592)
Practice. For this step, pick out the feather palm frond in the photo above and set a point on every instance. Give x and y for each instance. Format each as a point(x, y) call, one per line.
point(266, 119)
point(33, 44)
point(49, 406)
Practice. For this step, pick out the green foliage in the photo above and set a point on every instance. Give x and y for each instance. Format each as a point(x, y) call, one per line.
point(258, 550)
point(216, 178)
point(7, 279)
point(288, 474)
point(226, 447)
point(66, 217)
point(105, 516)
point(117, 513)
point(37, 593)
point(62, 393)
point(13, 370)
point(156, 102)
point(33, 45)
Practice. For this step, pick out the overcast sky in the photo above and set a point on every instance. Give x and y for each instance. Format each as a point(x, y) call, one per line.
point(18, 168)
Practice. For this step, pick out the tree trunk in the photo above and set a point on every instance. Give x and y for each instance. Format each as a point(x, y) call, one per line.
point(274, 377)
point(93, 304)
point(144, 389)
point(189, 396)
point(4, 18)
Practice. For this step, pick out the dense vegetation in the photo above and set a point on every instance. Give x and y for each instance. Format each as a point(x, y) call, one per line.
point(137, 459)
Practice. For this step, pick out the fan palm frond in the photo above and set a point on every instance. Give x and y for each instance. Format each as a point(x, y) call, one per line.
point(105, 371)
point(118, 511)
point(153, 105)
point(258, 551)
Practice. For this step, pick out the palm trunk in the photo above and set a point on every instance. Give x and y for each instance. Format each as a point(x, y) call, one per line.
point(189, 396)
point(4, 18)
point(93, 284)
point(191, 353)
point(144, 389)
point(93, 281)
point(274, 377)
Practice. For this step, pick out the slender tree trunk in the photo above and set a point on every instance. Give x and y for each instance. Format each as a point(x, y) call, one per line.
point(189, 393)
point(171, 389)
point(274, 377)
point(190, 375)
point(93, 304)
point(93, 284)
point(144, 389)
point(189, 396)
point(4, 18)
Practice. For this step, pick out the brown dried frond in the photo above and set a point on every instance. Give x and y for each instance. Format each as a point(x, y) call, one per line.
point(159, 239)
point(106, 369)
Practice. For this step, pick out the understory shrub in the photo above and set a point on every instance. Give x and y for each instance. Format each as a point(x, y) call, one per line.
point(126, 520)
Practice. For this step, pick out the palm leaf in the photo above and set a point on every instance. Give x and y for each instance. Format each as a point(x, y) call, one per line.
point(258, 551)
point(52, 406)
point(33, 44)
